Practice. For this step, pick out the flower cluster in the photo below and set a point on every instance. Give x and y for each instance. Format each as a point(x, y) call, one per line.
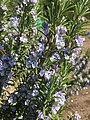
point(79, 40)
point(59, 101)
point(60, 30)
point(40, 53)
point(76, 116)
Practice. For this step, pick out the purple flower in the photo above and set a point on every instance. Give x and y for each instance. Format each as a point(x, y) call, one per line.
point(5, 57)
point(23, 39)
point(42, 72)
point(4, 7)
point(41, 48)
point(59, 41)
point(0, 31)
point(59, 98)
point(1, 67)
point(27, 102)
point(25, 1)
point(10, 100)
point(77, 116)
point(28, 63)
point(48, 74)
point(79, 40)
point(56, 67)
point(58, 38)
point(35, 93)
point(35, 86)
point(72, 59)
point(74, 56)
point(55, 108)
point(66, 56)
point(45, 28)
point(41, 40)
point(5, 65)
point(41, 115)
point(61, 30)
point(33, 1)
point(34, 64)
point(15, 56)
point(15, 21)
point(45, 25)
point(67, 50)
point(2, 73)
point(12, 62)
point(77, 50)
point(55, 56)
point(33, 13)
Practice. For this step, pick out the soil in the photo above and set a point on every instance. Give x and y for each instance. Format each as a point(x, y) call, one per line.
point(79, 104)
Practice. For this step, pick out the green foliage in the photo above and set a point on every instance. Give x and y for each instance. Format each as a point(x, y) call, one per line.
point(39, 48)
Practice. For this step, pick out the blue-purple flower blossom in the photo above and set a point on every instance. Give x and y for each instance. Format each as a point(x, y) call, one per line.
point(4, 7)
point(5, 58)
point(15, 21)
point(12, 62)
point(48, 74)
point(35, 93)
point(34, 15)
point(59, 98)
point(25, 1)
point(77, 116)
point(73, 58)
point(61, 30)
point(10, 100)
point(45, 28)
point(59, 41)
point(1, 65)
point(42, 72)
point(33, 1)
point(77, 50)
point(40, 48)
point(27, 102)
point(66, 56)
point(79, 40)
point(23, 39)
point(55, 108)
point(55, 56)
point(34, 64)
point(41, 115)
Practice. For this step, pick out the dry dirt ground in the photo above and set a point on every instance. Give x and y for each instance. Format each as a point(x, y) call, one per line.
point(80, 103)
